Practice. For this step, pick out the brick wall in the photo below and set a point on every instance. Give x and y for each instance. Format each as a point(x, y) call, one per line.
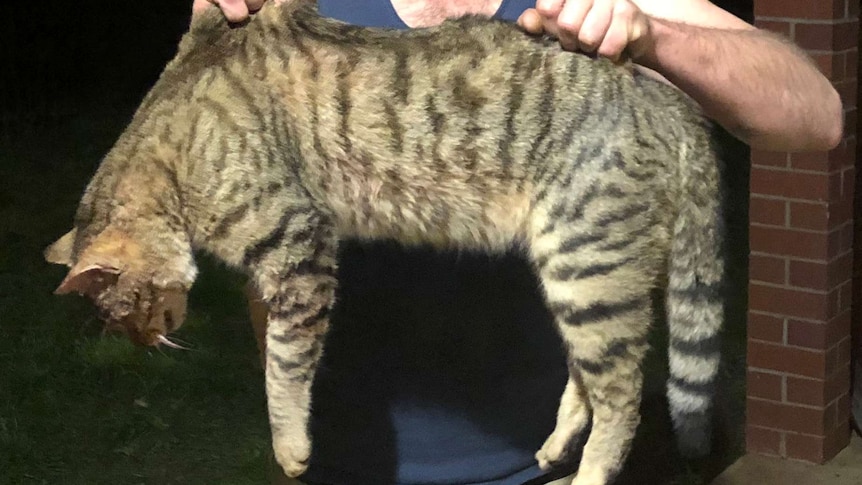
point(801, 262)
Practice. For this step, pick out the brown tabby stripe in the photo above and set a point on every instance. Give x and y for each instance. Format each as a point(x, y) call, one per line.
point(344, 103)
point(225, 224)
point(573, 243)
point(546, 108)
point(259, 250)
point(437, 121)
point(623, 214)
point(402, 78)
point(240, 89)
point(513, 104)
point(616, 350)
point(570, 272)
point(626, 241)
point(395, 127)
point(705, 346)
point(602, 311)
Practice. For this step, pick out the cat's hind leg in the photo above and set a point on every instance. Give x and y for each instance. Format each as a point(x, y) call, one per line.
point(299, 298)
point(572, 419)
point(600, 296)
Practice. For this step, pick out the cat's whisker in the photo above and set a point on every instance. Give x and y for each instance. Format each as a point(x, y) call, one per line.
point(169, 343)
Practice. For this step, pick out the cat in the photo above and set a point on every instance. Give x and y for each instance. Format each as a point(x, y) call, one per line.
point(265, 144)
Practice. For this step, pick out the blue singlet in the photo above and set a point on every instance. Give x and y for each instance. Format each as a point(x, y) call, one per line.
point(438, 369)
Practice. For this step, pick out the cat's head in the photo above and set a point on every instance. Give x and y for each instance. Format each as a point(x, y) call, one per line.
point(136, 294)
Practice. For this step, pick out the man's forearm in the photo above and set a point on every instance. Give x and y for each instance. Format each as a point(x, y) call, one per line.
point(759, 87)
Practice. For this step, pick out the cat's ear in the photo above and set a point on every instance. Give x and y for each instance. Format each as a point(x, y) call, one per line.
point(88, 279)
point(61, 251)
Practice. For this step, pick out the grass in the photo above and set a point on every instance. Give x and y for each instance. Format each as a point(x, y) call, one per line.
point(77, 407)
point(80, 408)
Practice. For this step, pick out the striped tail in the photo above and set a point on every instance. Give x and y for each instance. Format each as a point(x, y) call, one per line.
point(695, 307)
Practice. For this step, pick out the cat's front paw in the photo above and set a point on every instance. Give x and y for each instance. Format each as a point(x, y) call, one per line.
point(292, 454)
point(554, 452)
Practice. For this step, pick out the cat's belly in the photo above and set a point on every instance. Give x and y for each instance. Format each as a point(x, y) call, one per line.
point(440, 218)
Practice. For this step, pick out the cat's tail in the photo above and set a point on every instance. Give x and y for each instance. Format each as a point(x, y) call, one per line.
point(695, 309)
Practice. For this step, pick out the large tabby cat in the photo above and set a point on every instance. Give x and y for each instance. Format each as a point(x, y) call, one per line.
point(265, 144)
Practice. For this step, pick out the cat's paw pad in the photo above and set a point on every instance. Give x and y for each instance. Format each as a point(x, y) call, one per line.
point(293, 455)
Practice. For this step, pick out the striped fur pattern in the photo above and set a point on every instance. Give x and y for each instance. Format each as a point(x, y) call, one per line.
point(266, 144)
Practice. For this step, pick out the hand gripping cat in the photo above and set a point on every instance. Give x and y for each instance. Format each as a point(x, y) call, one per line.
point(267, 143)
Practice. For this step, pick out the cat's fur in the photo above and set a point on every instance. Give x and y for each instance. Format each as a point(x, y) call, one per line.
point(265, 144)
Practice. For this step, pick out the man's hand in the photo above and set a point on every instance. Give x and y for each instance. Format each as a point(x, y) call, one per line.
point(233, 10)
point(611, 28)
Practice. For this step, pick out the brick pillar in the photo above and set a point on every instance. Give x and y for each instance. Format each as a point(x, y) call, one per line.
point(801, 261)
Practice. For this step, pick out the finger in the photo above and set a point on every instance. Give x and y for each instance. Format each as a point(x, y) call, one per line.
point(550, 8)
point(568, 23)
point(233, 10)
point(596, 25)
point(201, 5)
point(629, 28)
point(531, 21)
point(571, 18)
point(254, 5)
point(615, 41)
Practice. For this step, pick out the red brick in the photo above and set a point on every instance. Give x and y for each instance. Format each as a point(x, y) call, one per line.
point(850, 126)
point(778, 26)
point(769, 159)
point(810, 335)
point(837, 440)
point(818, 449)
point(844, 352)
point(840, 328)
point(789, 242)
point(763, 441)
point(842, 409)
point(845, 239)
point(767, 269)
point(811, 161)
point(790, 302)
point(840, 212)
point(796, 185)
point(767, 211)
point(765, 327)
point(827, 36)
point(818, 335)
point(800, 9)
point(764, 386)
point(809, 275)
point(811, 392)
point(852, 66)
point(806, 448)
point(787, 417)
point(842, 156)
point(845, 297)
point(838, 385)
point(831, 65)
point(847, 89)
point(809, 215)
point(795, 361)
point(848, 178)
point(841, 269)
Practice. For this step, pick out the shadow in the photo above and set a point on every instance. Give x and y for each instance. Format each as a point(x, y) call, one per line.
point(450, 350)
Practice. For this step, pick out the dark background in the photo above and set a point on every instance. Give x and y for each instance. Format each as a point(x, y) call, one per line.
point(77, 408)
